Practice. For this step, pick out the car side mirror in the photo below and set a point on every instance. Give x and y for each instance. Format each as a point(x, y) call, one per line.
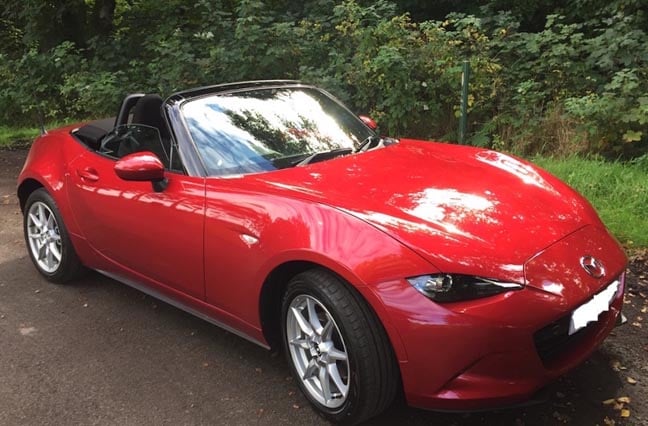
point(369, 122)
point(142, 166)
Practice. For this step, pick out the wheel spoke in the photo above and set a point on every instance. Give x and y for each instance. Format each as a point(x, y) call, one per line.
point(311, 369)
point(50, 222)
point(35, 221)
point(41, 215)
point(337, 355)
point(53, 248)
point(49, 259)
point(33, 235)
point(304, 326)
point(326, 384)
point(327, 330)
point(312, 316)
point(300, 343)
point(334, 373)
point(42, 251)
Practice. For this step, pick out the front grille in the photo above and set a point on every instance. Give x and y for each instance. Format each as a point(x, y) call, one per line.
point(554, 340)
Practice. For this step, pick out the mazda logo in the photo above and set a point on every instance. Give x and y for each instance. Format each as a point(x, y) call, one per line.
point(592, 266)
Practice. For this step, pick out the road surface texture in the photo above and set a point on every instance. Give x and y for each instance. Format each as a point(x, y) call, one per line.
point(99, 352)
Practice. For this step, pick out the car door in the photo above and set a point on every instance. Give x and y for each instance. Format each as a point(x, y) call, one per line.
point(158, 235)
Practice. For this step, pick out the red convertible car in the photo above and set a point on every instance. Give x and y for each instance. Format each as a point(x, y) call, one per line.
point(463, 278)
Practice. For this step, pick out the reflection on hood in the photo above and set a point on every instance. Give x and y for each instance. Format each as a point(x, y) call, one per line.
point(460, 207)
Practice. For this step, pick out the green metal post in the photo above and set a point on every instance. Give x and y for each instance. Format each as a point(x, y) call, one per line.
point(465, 82)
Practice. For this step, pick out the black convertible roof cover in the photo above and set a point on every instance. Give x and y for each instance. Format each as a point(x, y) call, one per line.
point(92, 132)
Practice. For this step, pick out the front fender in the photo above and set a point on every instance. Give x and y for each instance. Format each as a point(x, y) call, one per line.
point(249, 233)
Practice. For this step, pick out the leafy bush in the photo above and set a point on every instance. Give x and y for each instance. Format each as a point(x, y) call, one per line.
point(572, 79)
point(405, 74)
point(32, 83)
point(583, 84)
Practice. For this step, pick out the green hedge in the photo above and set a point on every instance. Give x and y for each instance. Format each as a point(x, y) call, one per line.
point(577, 85)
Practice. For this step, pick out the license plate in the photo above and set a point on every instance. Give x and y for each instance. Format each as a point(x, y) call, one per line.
point(590, 311)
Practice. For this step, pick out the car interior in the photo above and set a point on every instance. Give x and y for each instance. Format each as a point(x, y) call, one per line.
point(139, 126)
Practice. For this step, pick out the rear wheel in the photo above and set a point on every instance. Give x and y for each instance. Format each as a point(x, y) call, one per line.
point(47, 239)
point(337, 349)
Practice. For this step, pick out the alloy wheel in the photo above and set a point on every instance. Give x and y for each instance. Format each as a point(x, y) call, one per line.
point(44, 237)
point(317, 351)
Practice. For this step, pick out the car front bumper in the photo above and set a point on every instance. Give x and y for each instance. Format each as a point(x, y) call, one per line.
point(491, 353)
point(500, 350)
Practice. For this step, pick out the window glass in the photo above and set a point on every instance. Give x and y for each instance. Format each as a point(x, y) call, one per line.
point(268, 129)
point(129, 138)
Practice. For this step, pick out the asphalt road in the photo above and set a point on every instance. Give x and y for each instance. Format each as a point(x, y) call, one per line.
point(99, 352)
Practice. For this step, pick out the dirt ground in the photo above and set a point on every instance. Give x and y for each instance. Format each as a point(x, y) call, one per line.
point(98, 352)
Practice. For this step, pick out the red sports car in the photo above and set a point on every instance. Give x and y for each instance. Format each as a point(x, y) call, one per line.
point(462, 277)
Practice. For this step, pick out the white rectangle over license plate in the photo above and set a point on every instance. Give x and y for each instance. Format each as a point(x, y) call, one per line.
point(590, 311)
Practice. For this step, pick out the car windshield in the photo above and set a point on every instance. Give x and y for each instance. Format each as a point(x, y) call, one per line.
point(268, 129)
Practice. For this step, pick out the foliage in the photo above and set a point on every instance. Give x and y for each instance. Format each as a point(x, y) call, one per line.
point(592, 73)
point(550, 76)
point(618, 191)
point(34, 82)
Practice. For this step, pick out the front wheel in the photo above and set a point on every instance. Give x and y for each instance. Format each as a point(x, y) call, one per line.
point(337, 349)
point(47, 239)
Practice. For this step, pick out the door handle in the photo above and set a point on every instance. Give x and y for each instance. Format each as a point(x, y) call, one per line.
point(88, 174)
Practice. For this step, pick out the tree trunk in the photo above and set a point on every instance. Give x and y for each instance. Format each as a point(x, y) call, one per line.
point(103, 14)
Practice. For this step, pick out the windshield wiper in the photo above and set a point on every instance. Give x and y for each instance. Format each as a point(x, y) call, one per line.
point(324, 155)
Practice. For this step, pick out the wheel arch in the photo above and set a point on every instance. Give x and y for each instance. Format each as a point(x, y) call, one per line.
point(272, 291)
point(25, 189)
point(274, 287)
point(30, 182)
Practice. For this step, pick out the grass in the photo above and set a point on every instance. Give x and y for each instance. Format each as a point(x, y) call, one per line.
point(11, 138)
point(618, 191)
point(22, 137)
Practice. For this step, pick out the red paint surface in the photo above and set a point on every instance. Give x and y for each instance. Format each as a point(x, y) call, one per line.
point(370, 122)
point(138, 166)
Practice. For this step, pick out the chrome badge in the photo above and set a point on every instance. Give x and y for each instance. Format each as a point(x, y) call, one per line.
point(592, 266)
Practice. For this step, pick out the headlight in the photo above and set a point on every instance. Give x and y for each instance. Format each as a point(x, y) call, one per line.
point(453, 288)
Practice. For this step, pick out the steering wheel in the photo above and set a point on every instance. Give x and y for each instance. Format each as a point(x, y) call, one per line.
point(119, 143)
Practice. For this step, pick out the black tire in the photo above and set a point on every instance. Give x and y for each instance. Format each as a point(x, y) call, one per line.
point(69, 266)
point(373, 377)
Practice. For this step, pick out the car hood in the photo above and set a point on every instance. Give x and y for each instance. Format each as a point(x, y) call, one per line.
point(464, 209)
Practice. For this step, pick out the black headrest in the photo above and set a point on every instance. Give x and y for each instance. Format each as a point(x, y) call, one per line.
point(148, 111)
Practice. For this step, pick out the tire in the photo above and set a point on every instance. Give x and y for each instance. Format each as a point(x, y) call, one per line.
point(47, 239)
point(347, 338)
